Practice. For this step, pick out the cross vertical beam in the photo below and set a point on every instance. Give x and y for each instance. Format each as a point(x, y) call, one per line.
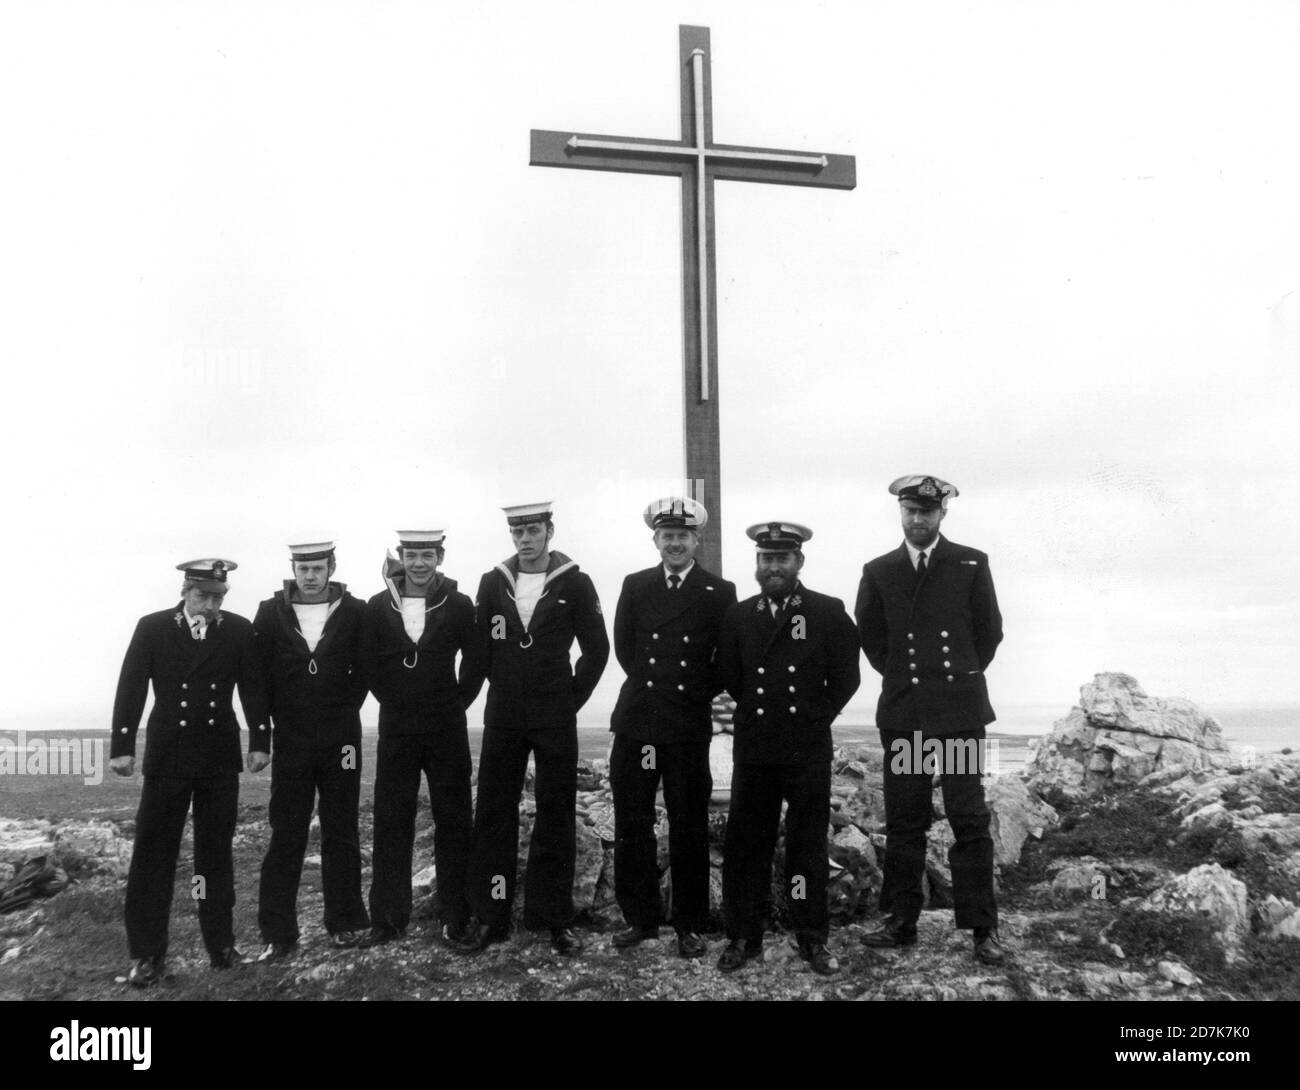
point(698, 162)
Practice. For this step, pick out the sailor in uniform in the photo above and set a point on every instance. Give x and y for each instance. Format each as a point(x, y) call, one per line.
point(665, 637)
point(530, 609)
point(413, 631)
point(194, 654)
point(308, 638)
point(929, 623)
point(789, 659)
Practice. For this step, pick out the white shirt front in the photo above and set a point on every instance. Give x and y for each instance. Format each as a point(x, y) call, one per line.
point(915, 553)
point(200, 621)
point(413, 617)
point(681, 575)
point(528, 590)
point(311, 621)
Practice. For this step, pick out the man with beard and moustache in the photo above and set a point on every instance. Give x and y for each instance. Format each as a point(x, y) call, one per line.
point(665, 637)
point(789, 658)
point(530, 608)
point(307, 639)
point(413, 631)
point(194, 654)
point(929, 623)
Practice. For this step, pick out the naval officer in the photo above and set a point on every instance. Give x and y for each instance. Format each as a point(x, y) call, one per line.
point(413, 631)
point(530, 608)
point(789, 659)
point(194, 654)
point(307, 637)
point(666, 630)
point(929, 623)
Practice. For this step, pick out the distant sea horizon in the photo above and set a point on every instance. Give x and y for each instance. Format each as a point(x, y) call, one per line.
point(1266, 727)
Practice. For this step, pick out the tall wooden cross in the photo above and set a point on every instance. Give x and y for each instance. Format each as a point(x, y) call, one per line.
point(698, 161)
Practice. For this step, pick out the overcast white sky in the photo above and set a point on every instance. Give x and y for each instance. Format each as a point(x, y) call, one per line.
point(275, 269)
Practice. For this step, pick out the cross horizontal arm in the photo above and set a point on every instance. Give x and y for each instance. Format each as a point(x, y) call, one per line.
point(549, 148)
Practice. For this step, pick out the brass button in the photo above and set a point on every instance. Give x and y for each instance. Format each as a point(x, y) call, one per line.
point(761, 670)
point(792, 709)
point(652, 662)
point(654, 635)
point(683, 663)
point(182, 722)
point(649, 684)
point(122, 731)
point(791, 669)
point(911, 650)
point(185, 684)
point(950, 677)
point(185, 703)
point(681, 688)
point(792, 688)
point(211, 722)
point(212, 703)
point(916, 681)
point(946, 663)
point(909, 635)
point(911, 666)
point(944, 634)
point(945, 649)
point(686, 639)
point(213, 685)
point(759, 712)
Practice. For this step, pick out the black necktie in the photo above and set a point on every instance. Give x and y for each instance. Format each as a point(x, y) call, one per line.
point(673, 580)
point(920, 567)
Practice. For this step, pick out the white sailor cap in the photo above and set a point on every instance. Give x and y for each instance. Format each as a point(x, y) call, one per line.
point(779, 537)
point(421, 539)
point(523, 513)
point(923, 490)
point(313, 549)
point(208, 574)
point(675, 511)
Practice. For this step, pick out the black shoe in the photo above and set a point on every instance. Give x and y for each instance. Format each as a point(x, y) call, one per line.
point(278, 951)
point(890, 932)
point(632, 936)
point(738, 952)
point(690, 945)
point(988, 950)
point(564, 942)
point(146, 972)
point(349, 940)
point(382, 933)
point(819, 958)
point(477, 937)
point(226, 959)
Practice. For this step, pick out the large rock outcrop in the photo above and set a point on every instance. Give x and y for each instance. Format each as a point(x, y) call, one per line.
point(1117, 736)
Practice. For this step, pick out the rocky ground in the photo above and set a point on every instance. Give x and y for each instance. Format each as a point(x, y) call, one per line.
point(1137, 858)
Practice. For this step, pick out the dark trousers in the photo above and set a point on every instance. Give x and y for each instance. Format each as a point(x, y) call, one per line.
point(159, 826)
point(635, 769)
point(908, 808)
point(752, 824)
point(442, 755)
point(298, 773)
point(548, 886)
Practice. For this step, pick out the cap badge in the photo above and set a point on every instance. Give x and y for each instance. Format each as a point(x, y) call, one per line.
point(928, 488)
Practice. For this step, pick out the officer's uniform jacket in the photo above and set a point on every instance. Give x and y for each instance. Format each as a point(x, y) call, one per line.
point(666, 641)
point(531, 679)
point(416, 683)
point(313, 696)
point(192, 729)
point(932, 641)
point(790, 675)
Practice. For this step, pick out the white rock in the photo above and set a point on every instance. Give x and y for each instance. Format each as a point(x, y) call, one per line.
point(424, 880)
point(1177, 973)
point(1211, 892)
